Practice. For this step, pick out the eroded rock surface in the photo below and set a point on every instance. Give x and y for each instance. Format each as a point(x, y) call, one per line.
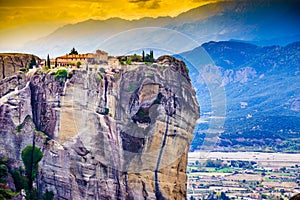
point(10, 63)
point(118, 134)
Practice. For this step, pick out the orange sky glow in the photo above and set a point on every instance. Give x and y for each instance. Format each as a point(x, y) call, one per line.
point(31, 19)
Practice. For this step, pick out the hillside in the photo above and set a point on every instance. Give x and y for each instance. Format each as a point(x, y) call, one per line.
point(262, 95)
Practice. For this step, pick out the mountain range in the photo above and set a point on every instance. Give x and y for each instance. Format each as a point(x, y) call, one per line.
point(270, 22)
point(262, 95)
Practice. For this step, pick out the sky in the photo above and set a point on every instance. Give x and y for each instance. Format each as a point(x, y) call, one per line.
point(25, 20)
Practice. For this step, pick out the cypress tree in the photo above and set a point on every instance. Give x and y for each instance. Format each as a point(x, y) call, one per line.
point(48, 61)
point(143, 56)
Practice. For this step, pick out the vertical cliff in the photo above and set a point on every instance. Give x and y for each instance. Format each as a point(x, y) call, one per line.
point(110, 134)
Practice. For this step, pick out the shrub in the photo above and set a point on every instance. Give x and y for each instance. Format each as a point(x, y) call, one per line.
point(30, 158)
point(186, 69)
point(61, 74)
point(6, 193)
point(3, 173)
point(128, 62)
point(78, 64)
point(102, 70)
point(19, 128)
point(48, 195)
point(4, 160)
point(70, 75)
point(20, 181)
point(22, 69)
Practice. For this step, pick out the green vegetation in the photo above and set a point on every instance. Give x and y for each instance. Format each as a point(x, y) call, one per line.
point(128, 62)
point(3, 172)
point(141, 113)
point(52, 73)
point(61, 74)
point(106, 111)
point(31, 157)
point(186, 69)
point(149, 57)
point(102, 70)
point(78, 64)
point(20, 181)
point(143, 56)
point(48, 195)
point(48, 61)
point(42, 134)
point(213, 163)
point(23, 69)
point(99, 77)
point(131, 88)
point(32, 62)
point(135, 58)
point(73, 52)
point(116, 76)
point(142, 116)
point(19, 127)
point(70, 74)
point(5, 193)
point(275, 133)
point(71, 64)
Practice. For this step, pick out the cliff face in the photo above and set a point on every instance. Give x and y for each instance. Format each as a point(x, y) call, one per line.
point(10, 63)
point(118, 134)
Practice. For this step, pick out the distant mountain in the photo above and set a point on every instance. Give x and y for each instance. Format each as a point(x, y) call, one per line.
point(262, 95)
point(262, 22)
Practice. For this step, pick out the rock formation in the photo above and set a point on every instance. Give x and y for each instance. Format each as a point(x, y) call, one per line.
point(105, 134)
point(10, 63)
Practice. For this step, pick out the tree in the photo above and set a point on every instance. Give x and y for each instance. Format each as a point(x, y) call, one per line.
point(31, 156)
point(223, 196)
point(32, 62)
point(151, 56)
point(48, 61)
point(143, 56)
point(73, 52)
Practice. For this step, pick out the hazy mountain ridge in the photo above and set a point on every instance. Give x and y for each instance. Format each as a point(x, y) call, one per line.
point(240, 20)
point(262, 96)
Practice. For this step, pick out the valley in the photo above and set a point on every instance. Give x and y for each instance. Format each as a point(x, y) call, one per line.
point(243, 175)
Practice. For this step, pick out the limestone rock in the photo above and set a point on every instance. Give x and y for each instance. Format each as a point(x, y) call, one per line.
point(121, 134)
point(10, 63)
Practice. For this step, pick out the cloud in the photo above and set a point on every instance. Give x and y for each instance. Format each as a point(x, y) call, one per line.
point(148, 4)
point(155, 4)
